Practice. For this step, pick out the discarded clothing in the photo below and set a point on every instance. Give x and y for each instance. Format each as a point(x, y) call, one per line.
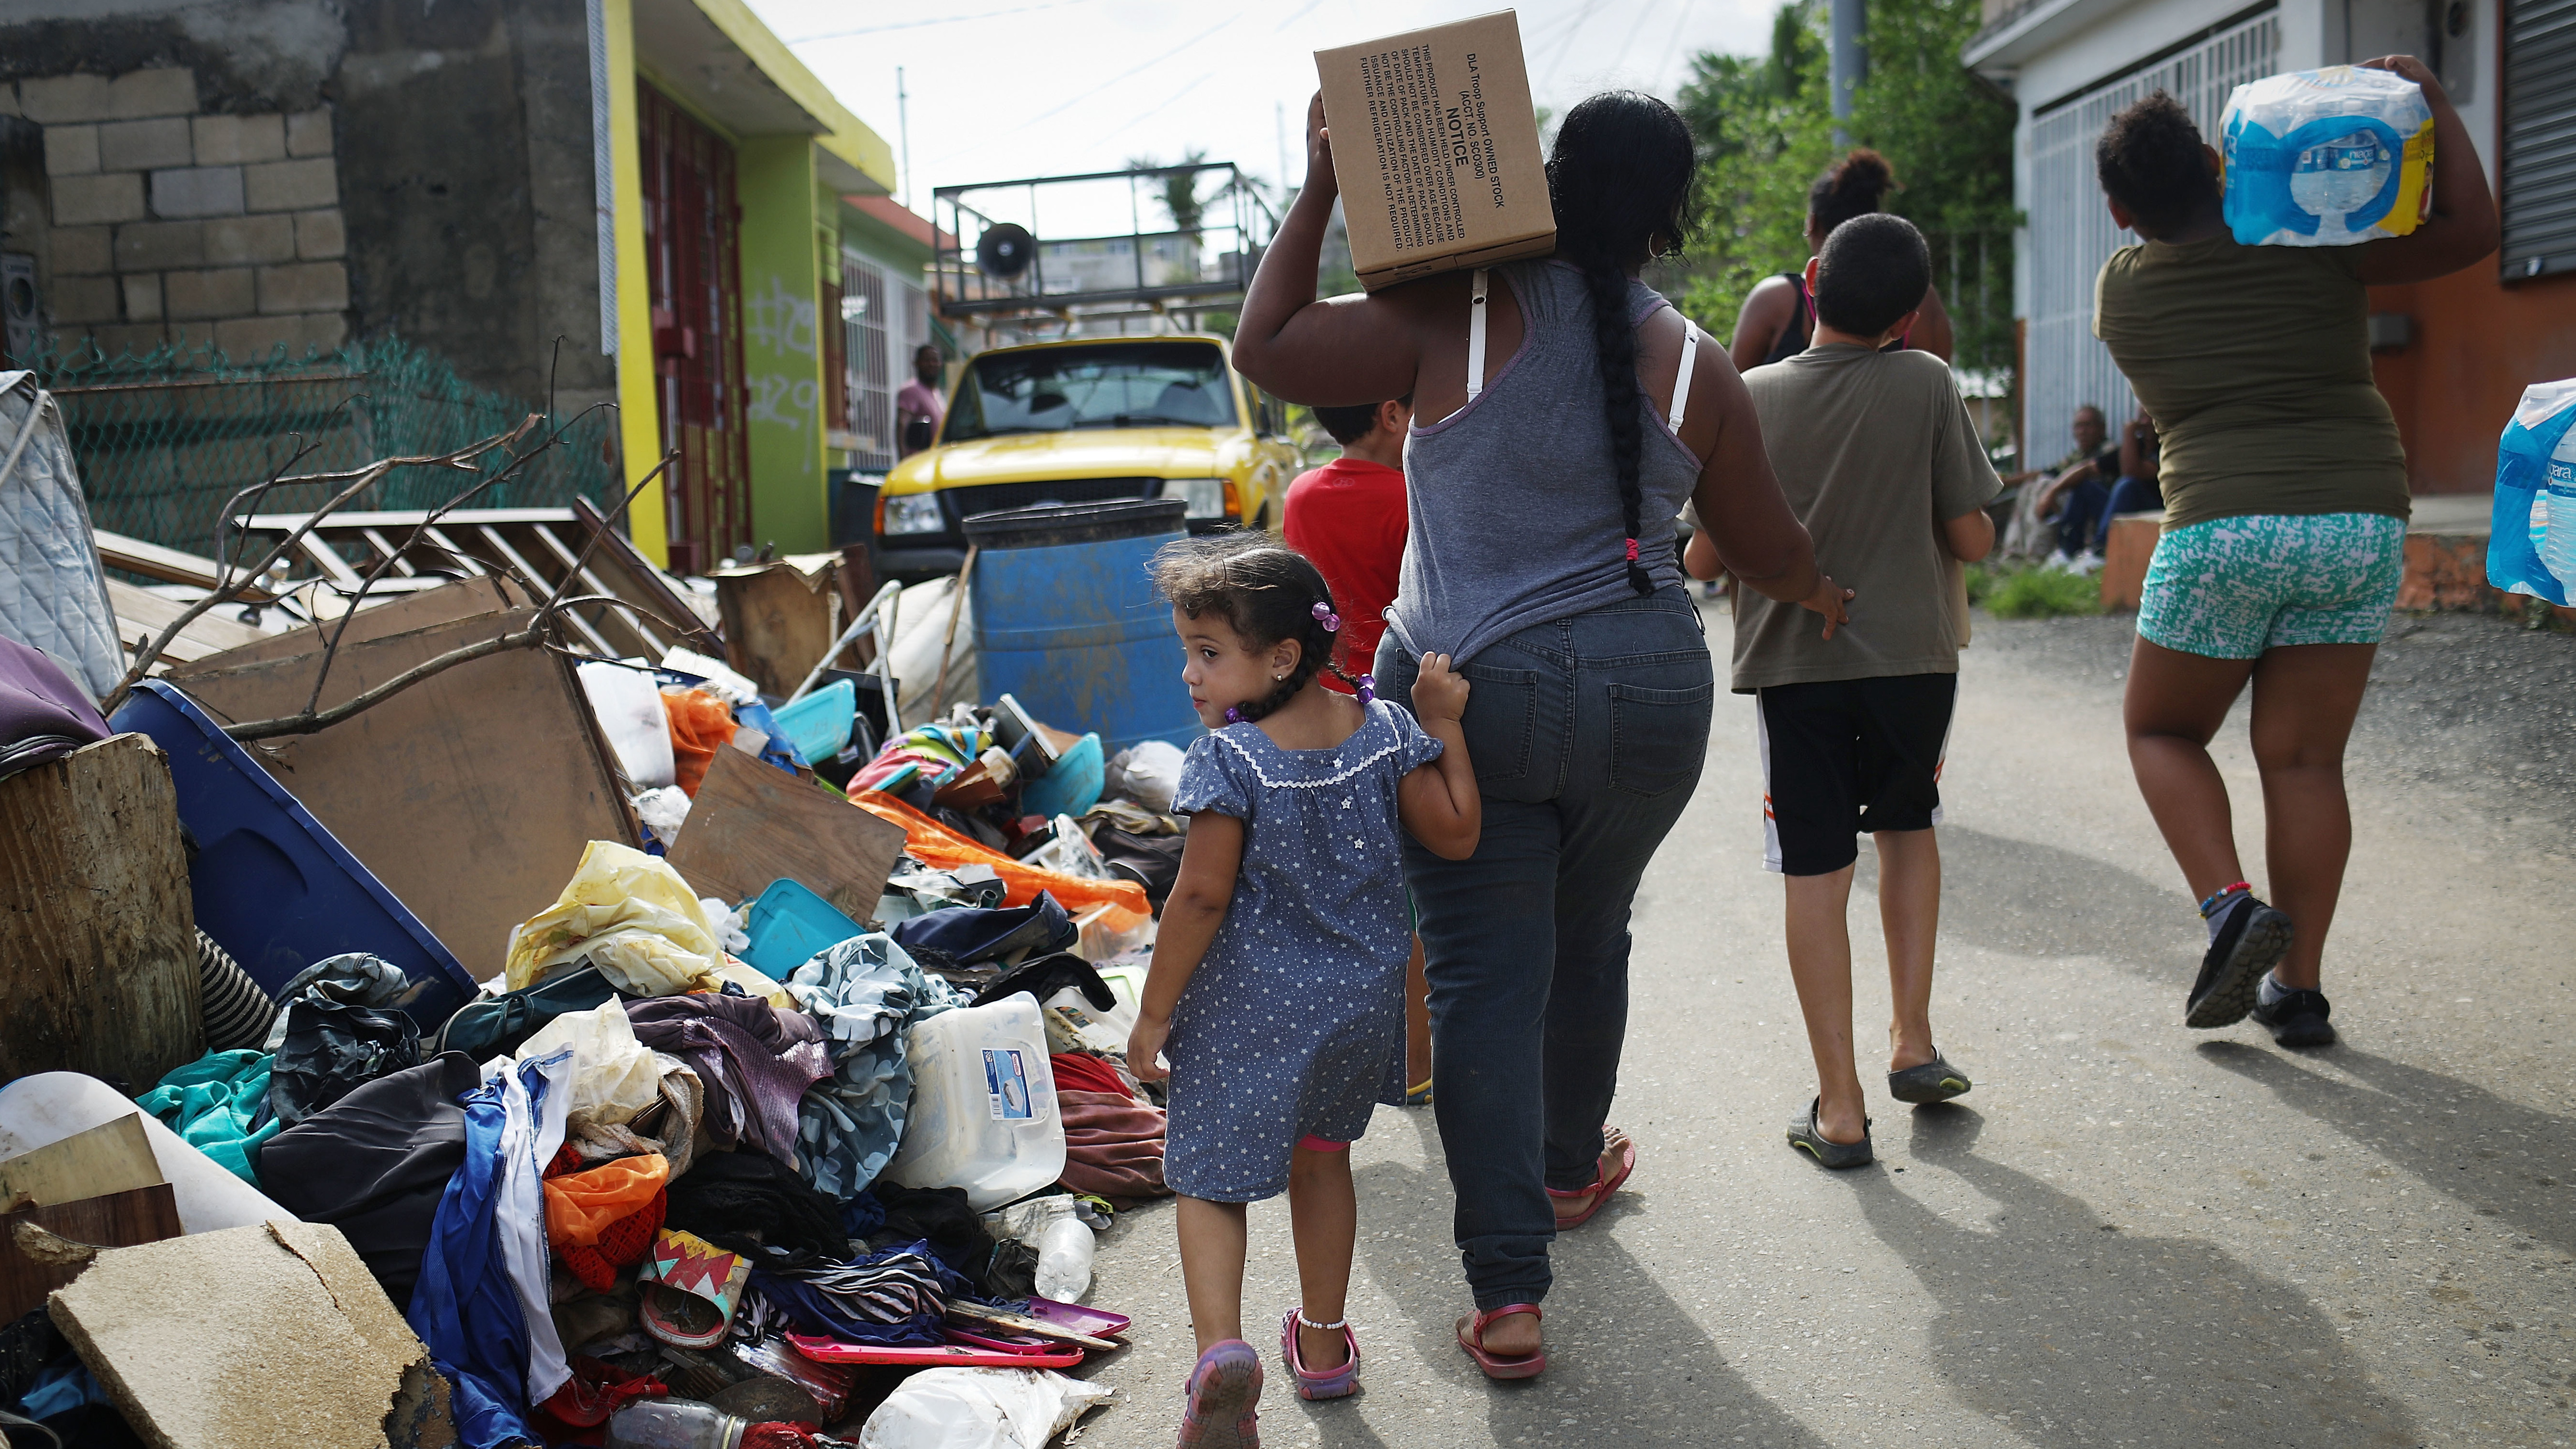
point(1013, 1271)
point(1046, 976)
point(1083, 1072)
point(1152, 861)
point(376, 1163)
point(597, 1390)
point(864, 992)
point(496, 1026)
point(44, 715)
point(471, 1306)
point(669, 1126)
point(938, 1217)
point(331, 1047)
point(601, 1219)
point(754, 1060)
point(218, 1104)
point(614, 1076)
point(934, 844)
point(745, 1201)
point(963, 935)
point(353, 977)
point(535, 1095)
point(894, 1297)
point(235, 1013)
point(1113, 1144)
point(701, 724)
point(630, 915)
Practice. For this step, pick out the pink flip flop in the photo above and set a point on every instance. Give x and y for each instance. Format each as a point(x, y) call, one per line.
point(1471, 1337)
point(1600, 1188)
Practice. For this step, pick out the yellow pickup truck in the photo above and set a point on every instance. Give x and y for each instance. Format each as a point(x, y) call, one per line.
point(1082, 421)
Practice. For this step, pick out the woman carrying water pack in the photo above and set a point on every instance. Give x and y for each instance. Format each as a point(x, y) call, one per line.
point(1567, 413)
point(1778, 319)
point(2285, 523)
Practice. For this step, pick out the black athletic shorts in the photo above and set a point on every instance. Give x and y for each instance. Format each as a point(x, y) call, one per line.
point(1846, 756)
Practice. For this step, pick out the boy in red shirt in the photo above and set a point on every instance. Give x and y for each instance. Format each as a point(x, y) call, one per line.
point(1347, 517)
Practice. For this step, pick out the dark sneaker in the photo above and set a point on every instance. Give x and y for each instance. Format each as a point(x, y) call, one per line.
point(2298, 1018)
point(1934, 1081)
point(1806, 1136)
point(2252, 942)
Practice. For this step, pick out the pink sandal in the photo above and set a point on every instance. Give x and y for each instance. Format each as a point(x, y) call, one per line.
point(1340, 1381)
point(1225, 1388)
point(1599, 1190)
point(1471, 1337)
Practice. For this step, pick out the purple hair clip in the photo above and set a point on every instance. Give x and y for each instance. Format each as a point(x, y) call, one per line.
point(1234, 714)
point(1325, 616)
point(1368, 688)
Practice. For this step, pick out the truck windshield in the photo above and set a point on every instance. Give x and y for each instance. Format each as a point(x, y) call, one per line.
point(1111, 385)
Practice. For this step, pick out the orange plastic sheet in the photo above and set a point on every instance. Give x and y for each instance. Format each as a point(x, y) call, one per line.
point(931, 843)
point(582, 1205)
point(701, 724)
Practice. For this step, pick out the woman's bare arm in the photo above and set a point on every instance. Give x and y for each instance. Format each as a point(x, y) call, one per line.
point(1769, 307)
point(2463, 225)
point(1356, 349)
point(1931, 332)
point(1756, 535)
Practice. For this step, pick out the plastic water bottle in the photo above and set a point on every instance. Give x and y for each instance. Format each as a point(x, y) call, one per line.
point(1064, 1259)
point(2339, 177)
point(2553, 513)
point(674, 1424)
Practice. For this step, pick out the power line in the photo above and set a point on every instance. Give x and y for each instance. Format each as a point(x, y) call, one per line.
point(935, 20)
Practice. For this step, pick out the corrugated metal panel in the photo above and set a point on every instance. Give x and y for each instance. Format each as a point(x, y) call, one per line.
point(2072, 234)
point(2539, 138)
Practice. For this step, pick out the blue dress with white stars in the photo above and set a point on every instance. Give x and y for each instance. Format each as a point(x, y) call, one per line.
point(1293, 1025)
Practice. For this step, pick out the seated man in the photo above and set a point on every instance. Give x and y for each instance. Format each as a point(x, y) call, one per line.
point(2080, 495)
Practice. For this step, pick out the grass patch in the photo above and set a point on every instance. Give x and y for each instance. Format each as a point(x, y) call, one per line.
point(2028, 591)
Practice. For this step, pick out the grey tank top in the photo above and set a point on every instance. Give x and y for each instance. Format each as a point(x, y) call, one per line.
point(1513, 499)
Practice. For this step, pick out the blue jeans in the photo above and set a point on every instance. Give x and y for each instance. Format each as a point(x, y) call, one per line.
point(2082, 516)
point(2130, 495)
point(1587, 736)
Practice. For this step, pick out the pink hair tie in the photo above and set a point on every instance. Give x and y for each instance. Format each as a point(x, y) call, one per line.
point(1632, 550)
point(1325, 616)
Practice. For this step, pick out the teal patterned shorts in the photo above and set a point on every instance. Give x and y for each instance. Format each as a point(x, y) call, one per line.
point(2234, 587)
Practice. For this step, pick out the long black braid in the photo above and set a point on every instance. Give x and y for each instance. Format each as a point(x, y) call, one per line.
point(1623, 179)
point(1267, 592)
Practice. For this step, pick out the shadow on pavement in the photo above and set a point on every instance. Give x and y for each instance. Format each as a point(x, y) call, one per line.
point(2505, 1160)
point(1626, 1364)
point(2074, 1332)
point(2038, 900)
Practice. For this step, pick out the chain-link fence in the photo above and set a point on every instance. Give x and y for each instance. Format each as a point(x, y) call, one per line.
point(164, 439)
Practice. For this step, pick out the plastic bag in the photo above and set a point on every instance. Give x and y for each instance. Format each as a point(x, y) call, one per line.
point(979, 1408)
point(582, 1205)
point(628, 707)
point(2532, 547)
point(2327, 158)
point(701, 724)
point(614, 1076)
point(928, 841)
point(633, 917)
point(921, 634)
point(1149, 774)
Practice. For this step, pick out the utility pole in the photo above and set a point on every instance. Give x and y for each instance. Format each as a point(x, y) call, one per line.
point(1849, 64)
point(903, 133)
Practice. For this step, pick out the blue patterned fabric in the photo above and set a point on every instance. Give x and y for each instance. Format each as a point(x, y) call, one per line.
point(1293, 1025)
point(863, 993)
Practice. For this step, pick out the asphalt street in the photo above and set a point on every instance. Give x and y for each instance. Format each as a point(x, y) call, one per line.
point(2129, 1233)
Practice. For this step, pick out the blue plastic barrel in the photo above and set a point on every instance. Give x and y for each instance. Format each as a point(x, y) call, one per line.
point(1067, 620)
point(273, 886)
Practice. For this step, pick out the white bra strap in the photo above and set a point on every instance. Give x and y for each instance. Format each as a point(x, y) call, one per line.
point(1681, 381)
point(1476, 338)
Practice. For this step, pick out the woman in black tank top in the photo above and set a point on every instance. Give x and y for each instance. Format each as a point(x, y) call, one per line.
point(1779, 318)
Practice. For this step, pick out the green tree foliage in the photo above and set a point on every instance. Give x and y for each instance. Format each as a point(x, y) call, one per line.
point(1765, 127)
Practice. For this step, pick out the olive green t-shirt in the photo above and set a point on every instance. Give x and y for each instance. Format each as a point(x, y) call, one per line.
point(1874, 451)
point(2255, 364)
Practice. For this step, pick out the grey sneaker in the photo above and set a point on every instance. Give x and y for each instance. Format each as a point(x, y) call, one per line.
point(2252, 942)
point(1804, 1134)
point(1934, 1081)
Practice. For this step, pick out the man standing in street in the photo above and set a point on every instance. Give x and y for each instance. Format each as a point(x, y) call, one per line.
point(918, 406)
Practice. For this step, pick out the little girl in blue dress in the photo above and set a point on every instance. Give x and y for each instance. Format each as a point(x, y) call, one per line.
point(1277, 990)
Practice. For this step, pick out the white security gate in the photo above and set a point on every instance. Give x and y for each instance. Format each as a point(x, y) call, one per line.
point(2072, 234)
point(884, 320)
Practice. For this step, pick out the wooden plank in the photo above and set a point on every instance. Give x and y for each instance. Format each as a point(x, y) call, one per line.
point(589, 580)
point(147, 1214)
point(114, 1156)
point(493, 539)
point(98, 946)
point(169, 565)
point(777, 621)
point(385, 549)
point(651, 586)
point(148, 614)
point(470, 795)
point(398, 614)
point(753, 823)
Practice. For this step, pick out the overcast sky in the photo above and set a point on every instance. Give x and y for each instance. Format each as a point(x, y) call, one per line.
point(1002, 89)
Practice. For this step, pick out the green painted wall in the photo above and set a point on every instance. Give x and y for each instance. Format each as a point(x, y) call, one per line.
point(782, 351)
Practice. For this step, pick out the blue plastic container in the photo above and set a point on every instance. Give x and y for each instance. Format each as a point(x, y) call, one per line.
point(788, 925)
point(272, 886)
point(819, 724)
point(1067, 620)
point(1073, 786)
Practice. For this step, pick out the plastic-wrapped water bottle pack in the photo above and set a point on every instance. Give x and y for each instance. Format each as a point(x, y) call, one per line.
point(2323, 158)
point(2532, 548)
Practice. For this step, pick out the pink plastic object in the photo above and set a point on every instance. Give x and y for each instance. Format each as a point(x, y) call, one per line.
point(1099, 1323)
point(944, 1355)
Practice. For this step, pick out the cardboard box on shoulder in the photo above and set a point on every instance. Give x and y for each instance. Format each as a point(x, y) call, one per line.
point(1435, 147)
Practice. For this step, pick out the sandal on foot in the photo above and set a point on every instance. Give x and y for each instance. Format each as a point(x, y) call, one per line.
point(1339, 1381)
point(1934, 1081)
point(1805, 1134)
point(1224, 1389)
point(1597, 1194)
point(1471, 1337)
point(1419, 1094)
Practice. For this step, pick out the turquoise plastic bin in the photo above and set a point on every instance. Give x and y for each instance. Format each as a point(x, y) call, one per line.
point(1073, 786)
point(819, 724)
point(788, 925)
point(1067, 620)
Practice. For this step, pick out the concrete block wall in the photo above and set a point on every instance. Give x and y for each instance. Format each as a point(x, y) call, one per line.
point(175, 223)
